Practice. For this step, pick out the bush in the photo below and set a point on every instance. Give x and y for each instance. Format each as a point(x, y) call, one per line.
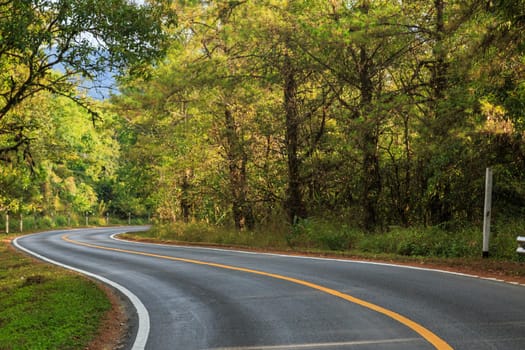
point(179, 231)
point(61, 221)
point(29, 223)
point(461, 241)
point(45, 223)
point(320, 234)
point(438, 242)
point(503, 239)
point(201, 232)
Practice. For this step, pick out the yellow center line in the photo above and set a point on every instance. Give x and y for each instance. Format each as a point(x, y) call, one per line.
point(433, 339)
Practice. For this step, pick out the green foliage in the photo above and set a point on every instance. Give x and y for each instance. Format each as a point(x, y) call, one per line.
point(325, 235)
point(503, 239)
point(46, 222)
point(35, 222)
point(83, 37)
point(377, 113)
point(61, 221)
point(71, 157)
point(51, 154)
point(462, 242)
point(200, 232)
point(434, 242)
point(314, 235)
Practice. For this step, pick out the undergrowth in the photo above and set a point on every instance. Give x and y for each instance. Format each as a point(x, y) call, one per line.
point(459, 241)
point(200, 232)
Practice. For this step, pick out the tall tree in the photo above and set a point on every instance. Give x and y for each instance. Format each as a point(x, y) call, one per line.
point(45, 45)
point(69, 157)
point(367, 40)
point(304, 102)
point(367, 111)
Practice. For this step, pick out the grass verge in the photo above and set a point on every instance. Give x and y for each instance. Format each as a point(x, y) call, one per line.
point(433, 247)
point(45, 307)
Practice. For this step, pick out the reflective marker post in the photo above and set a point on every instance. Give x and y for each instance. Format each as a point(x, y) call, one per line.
point(487, 212)
point(521, 245)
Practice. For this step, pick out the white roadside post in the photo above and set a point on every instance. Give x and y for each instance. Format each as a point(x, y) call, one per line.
point(521, 245)
point(487, 212)
point(7, 222)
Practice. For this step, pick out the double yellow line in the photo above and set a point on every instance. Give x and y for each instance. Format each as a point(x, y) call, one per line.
point(433, 339)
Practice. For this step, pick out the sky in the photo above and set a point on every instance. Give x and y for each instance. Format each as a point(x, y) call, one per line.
point(102, 88)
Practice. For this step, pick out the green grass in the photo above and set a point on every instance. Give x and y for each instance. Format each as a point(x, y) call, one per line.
point(201, 232)
point(44, 307)
point(460, 242)
point(458, 246)
point(321, 235)
point(307, 235)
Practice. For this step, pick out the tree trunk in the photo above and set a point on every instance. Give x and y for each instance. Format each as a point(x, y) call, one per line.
point(406, 193)
point(439, 209)
point(294, 202)
point(369, 144)
point(371, 180)
point(185, 204)
point(237, 159)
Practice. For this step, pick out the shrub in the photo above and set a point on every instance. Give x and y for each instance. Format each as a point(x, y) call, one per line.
point(461, 241)
point(45, 223)
point(437, 242)
point(320, 234)
point(61, 221)
point(29, 223)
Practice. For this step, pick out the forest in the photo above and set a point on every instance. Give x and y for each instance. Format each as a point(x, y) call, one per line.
point(368, 114)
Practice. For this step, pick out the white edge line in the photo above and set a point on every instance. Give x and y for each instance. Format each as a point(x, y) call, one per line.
point(142, 313)
point(322, 345)
point(114, 236)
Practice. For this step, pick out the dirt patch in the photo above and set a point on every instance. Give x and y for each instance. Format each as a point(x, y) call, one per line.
point(33, 280)
point(508, 271)
point(113, 331)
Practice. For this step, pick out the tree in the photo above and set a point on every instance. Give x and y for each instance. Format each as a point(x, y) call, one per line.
point(365, 111)
point(68, 159)
point(304, 103)
point(363, 43)
point(46, 45)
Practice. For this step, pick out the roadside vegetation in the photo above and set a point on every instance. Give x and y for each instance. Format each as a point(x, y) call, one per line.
point(319, 235)
point(456, 247)
point(45, 307)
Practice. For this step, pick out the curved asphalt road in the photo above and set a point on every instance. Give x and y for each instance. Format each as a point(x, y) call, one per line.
point(199, 298)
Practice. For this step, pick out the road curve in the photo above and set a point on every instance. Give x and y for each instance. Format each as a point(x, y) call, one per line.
point(201, 298)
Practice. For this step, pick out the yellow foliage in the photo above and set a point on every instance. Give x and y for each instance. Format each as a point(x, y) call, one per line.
point(496, 121)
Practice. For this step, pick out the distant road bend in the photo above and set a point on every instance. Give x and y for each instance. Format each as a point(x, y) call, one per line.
point(202, 298)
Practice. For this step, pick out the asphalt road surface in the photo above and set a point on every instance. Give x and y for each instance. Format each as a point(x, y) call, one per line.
point(200, 298)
